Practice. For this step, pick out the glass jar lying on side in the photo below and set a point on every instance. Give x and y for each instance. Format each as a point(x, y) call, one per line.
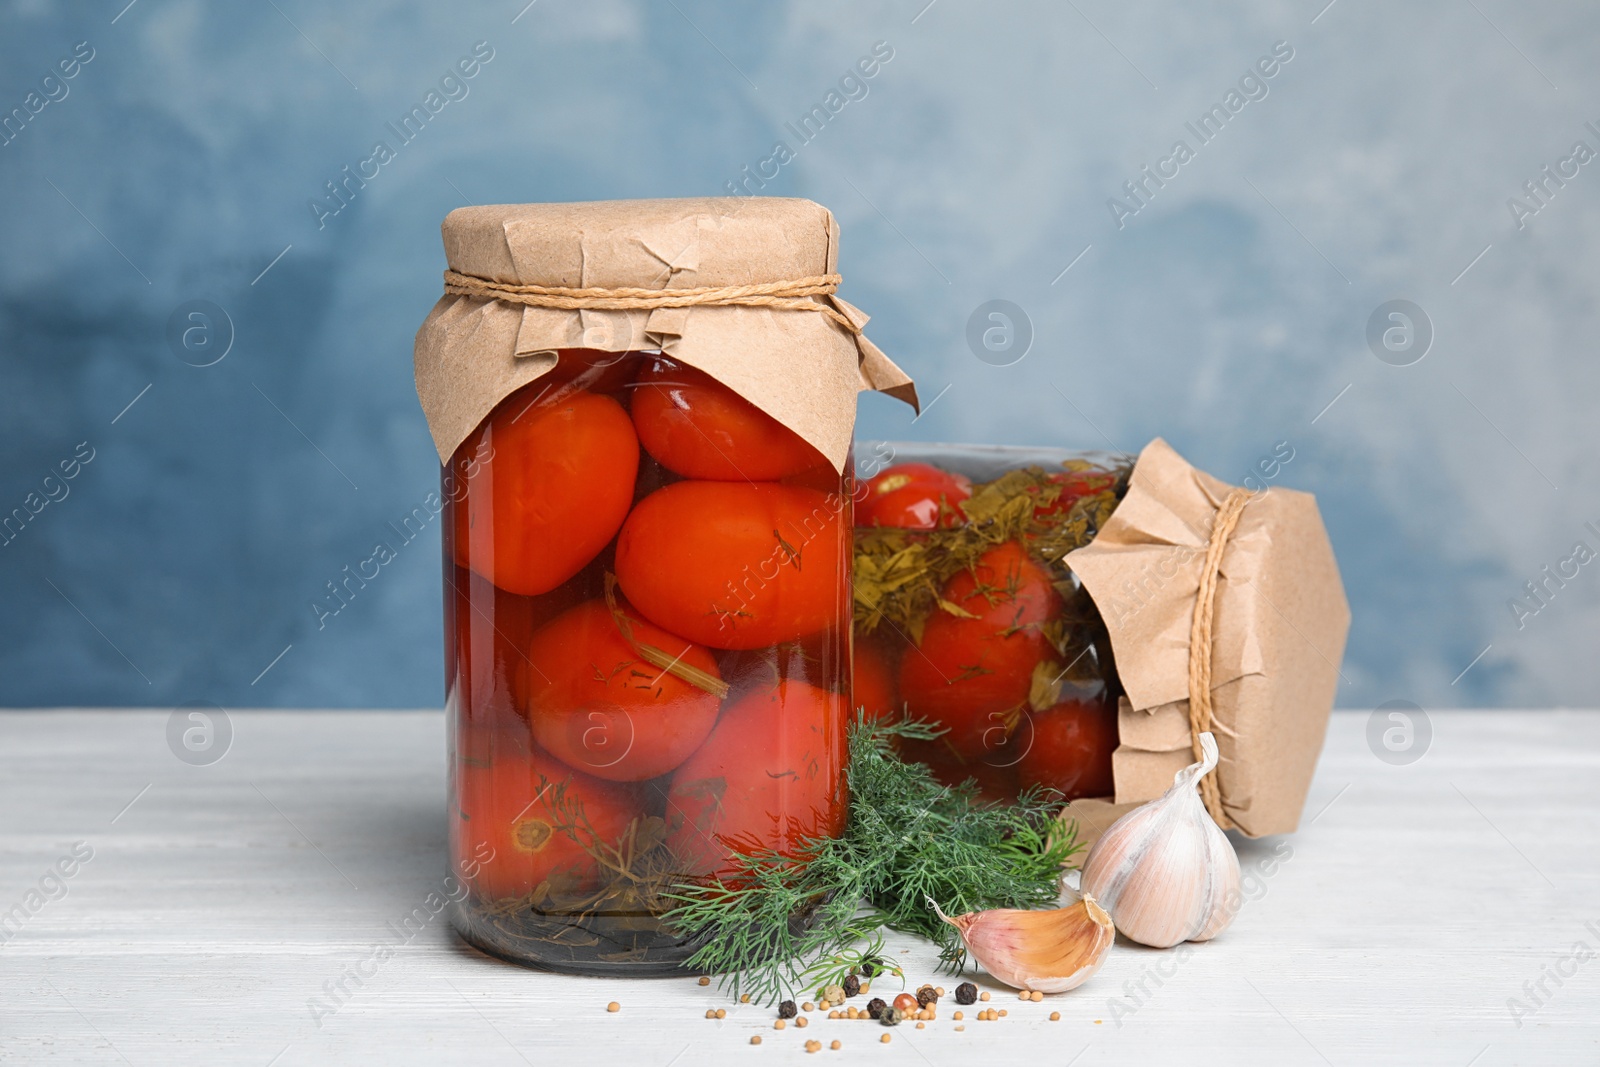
point(647, 654)
point(965, 616)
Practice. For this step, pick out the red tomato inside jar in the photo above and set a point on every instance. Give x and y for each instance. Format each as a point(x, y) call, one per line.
point(969, 620)
point(648, 586)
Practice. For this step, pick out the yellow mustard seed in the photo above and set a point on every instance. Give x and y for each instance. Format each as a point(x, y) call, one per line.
point(808, 1006)
point(884, 1039)
point(1036, 997)
point(704, 980)
point(836, 1046)
point(984, 995)
point(744, 998)
point(958, 1016)
point(755, 1039)
point(778, 1024)
point(801, 1021)
point(710, 1014)
point(613, 1006)
point(1055, 1016)
point(722, 1013)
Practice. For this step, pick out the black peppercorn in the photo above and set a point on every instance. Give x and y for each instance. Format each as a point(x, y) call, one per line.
point(927, 995)
point(966, 993)
point(787, 1010)
point(875, 1006)
point(852, 985)
point(870, 967)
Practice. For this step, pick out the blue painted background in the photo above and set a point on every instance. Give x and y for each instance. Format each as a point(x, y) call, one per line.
point(1226, 313)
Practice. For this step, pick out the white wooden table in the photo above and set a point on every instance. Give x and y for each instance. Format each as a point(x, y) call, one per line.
point(1414, 904)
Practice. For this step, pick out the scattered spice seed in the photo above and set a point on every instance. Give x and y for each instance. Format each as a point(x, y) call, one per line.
point(891, 1016)
point(613, 1006)
point(813, 1046)
point(834, 993)
point(755, 1039)
point(958, 1016)
point(852, 985)
point(722, 1013)
point(1055, 1016)
point(875, 1006)
point(778, 1024)
point(1036, 997)
point(869, 967)
point(833, 1015)
point(966, 993)
point(744, 998)
point(906, 1002)
point(939, 990)
point(1002, 1012)
point(865, 986)
point(808, 1006)
point(884, 1039)
point(710, 1014)
point(786, 1010)
point(922, 1026)
point(1022, 995)
point(1097, 1022)
point(801, 1021)
point(984, 995)
point(927, 995)
point(835, 1046)
point(961, 1028)
point(704, 980)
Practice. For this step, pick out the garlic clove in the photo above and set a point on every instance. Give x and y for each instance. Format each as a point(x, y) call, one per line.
point(1049, 951)
point(1165, 871)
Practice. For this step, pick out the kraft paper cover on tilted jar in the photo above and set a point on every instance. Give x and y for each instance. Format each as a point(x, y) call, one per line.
point(1279, 624)
point(471, 352)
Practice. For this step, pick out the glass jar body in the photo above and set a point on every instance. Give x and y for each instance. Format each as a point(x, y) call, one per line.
point(966, 617)
point(647, 637)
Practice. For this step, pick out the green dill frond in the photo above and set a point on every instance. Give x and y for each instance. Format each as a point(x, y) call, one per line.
point(781, 921)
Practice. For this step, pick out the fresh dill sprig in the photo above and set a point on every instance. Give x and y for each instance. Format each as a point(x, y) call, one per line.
point(908, 838)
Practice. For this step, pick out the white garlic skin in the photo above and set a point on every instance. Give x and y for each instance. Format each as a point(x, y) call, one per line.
point(1165, 871)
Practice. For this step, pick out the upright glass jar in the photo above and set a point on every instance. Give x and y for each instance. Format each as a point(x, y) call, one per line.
point(644, 412)
point(966, 616)
point(647, 590)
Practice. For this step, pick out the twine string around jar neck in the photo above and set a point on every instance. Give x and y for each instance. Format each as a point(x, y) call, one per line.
point(789, 295)
point(1200, 645)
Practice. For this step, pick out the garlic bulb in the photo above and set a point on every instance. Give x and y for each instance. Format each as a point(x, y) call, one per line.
point(1165, 871)
point(1050, 951)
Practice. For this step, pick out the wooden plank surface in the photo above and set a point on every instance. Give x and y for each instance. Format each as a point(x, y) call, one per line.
point(1444, 911)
